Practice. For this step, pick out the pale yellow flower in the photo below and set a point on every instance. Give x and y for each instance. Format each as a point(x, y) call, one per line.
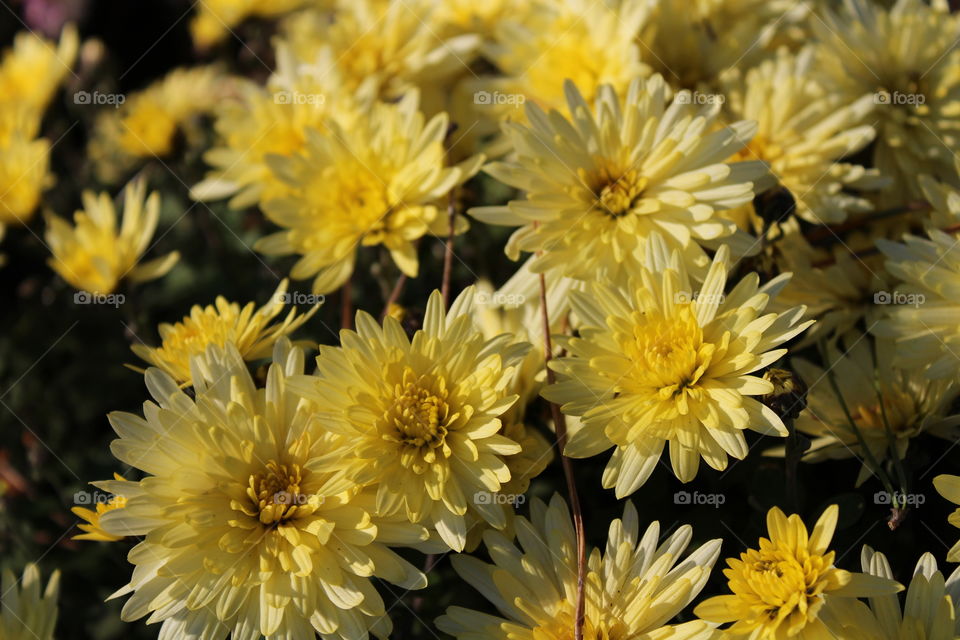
point(28, 613)
point(91, 528)
point(949, 487)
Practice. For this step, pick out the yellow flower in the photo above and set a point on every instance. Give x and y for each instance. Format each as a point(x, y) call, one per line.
point(27, 613)
point(922, 320)
point(657, 361)
point(598, 186)
point(377, 183)
point(246, 530)
point(273, 120)
point(421, 419)
point(33, 68)
point(92, 529)
point(94, 256)
point(929, 610)
point(24, 174)
point(803, 132)
point(881, 398)
point(146, 123)
point(248, 329)
point(906, 57)
point(949, 487)
point(215, 19)
point(789, 587)
point(632, 591)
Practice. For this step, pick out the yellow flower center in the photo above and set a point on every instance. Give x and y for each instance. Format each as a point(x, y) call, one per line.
point(418, 414)
point(148, 130)
point(616, 193)
point(275, 494)
point(667, 352)
point(899, 411)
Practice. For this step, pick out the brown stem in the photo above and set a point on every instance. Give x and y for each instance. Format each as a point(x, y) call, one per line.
point(561, 425)
point(346, 304)
point(448, 253)
point(394, 295)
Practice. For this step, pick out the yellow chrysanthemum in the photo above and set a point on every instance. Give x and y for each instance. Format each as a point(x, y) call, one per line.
point(803, 132)
point(657, 361)
point(92, 529)
point(949, 487)
point(632, 591)
point(24, 174)
point(248, 329)
point(28, 613)
point(94, 256)
point(885, 402)
point(923, 317)
point(789, 587)
point(33, 68)
point(246, 528)
point(273, 120)
point(215, 19)
point(421, 419)
point(599, 185)
point(906, 57)
point(692, 43)
point(377, 183)
point(147, 122)
point(928, 612)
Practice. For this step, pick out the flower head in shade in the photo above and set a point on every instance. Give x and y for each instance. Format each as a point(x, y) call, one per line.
point(633, 589)
point(24, 165)
point(216, 19)
point(29, 610)
point(923, 322)
point(789, 587)
point(94, 255)
point(223, 322)
point(659, 362)
point(246, 528)
point(379, 182)
point(92, 529)
point(928, 611)
point(949, 487)
point(599, 184)
point(904, 55)
point(33, 68)
point(803, 131)
point(884, 402)
point(422, 418)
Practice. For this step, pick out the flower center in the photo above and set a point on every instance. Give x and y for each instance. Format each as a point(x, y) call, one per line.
point(275, 494)
point(667, 352)
point(418, 416)
point(619, 194)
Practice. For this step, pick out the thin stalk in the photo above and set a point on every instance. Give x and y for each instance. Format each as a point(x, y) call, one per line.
point(561, 425)
point(346, 304)
point(394, 295)
point(448, 253)
point(899, 510)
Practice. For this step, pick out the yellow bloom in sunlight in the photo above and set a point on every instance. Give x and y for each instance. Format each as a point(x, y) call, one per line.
point(632, 591)
point(922, 320)
point(929, 610)
point(906, 57)
point(33, 68)
point(599, 185)
point(379, 182)
point(248, 329)
point(261, 121)
point(28, 613)
point(216, 19)
point(92, 529)
point(803, 132)
point(246, 529)
point(884, 401)
point(145, 125)
point(421, 419)
point(949, 487)
point(94, 256)
point(789, 587)
point(657, 361)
